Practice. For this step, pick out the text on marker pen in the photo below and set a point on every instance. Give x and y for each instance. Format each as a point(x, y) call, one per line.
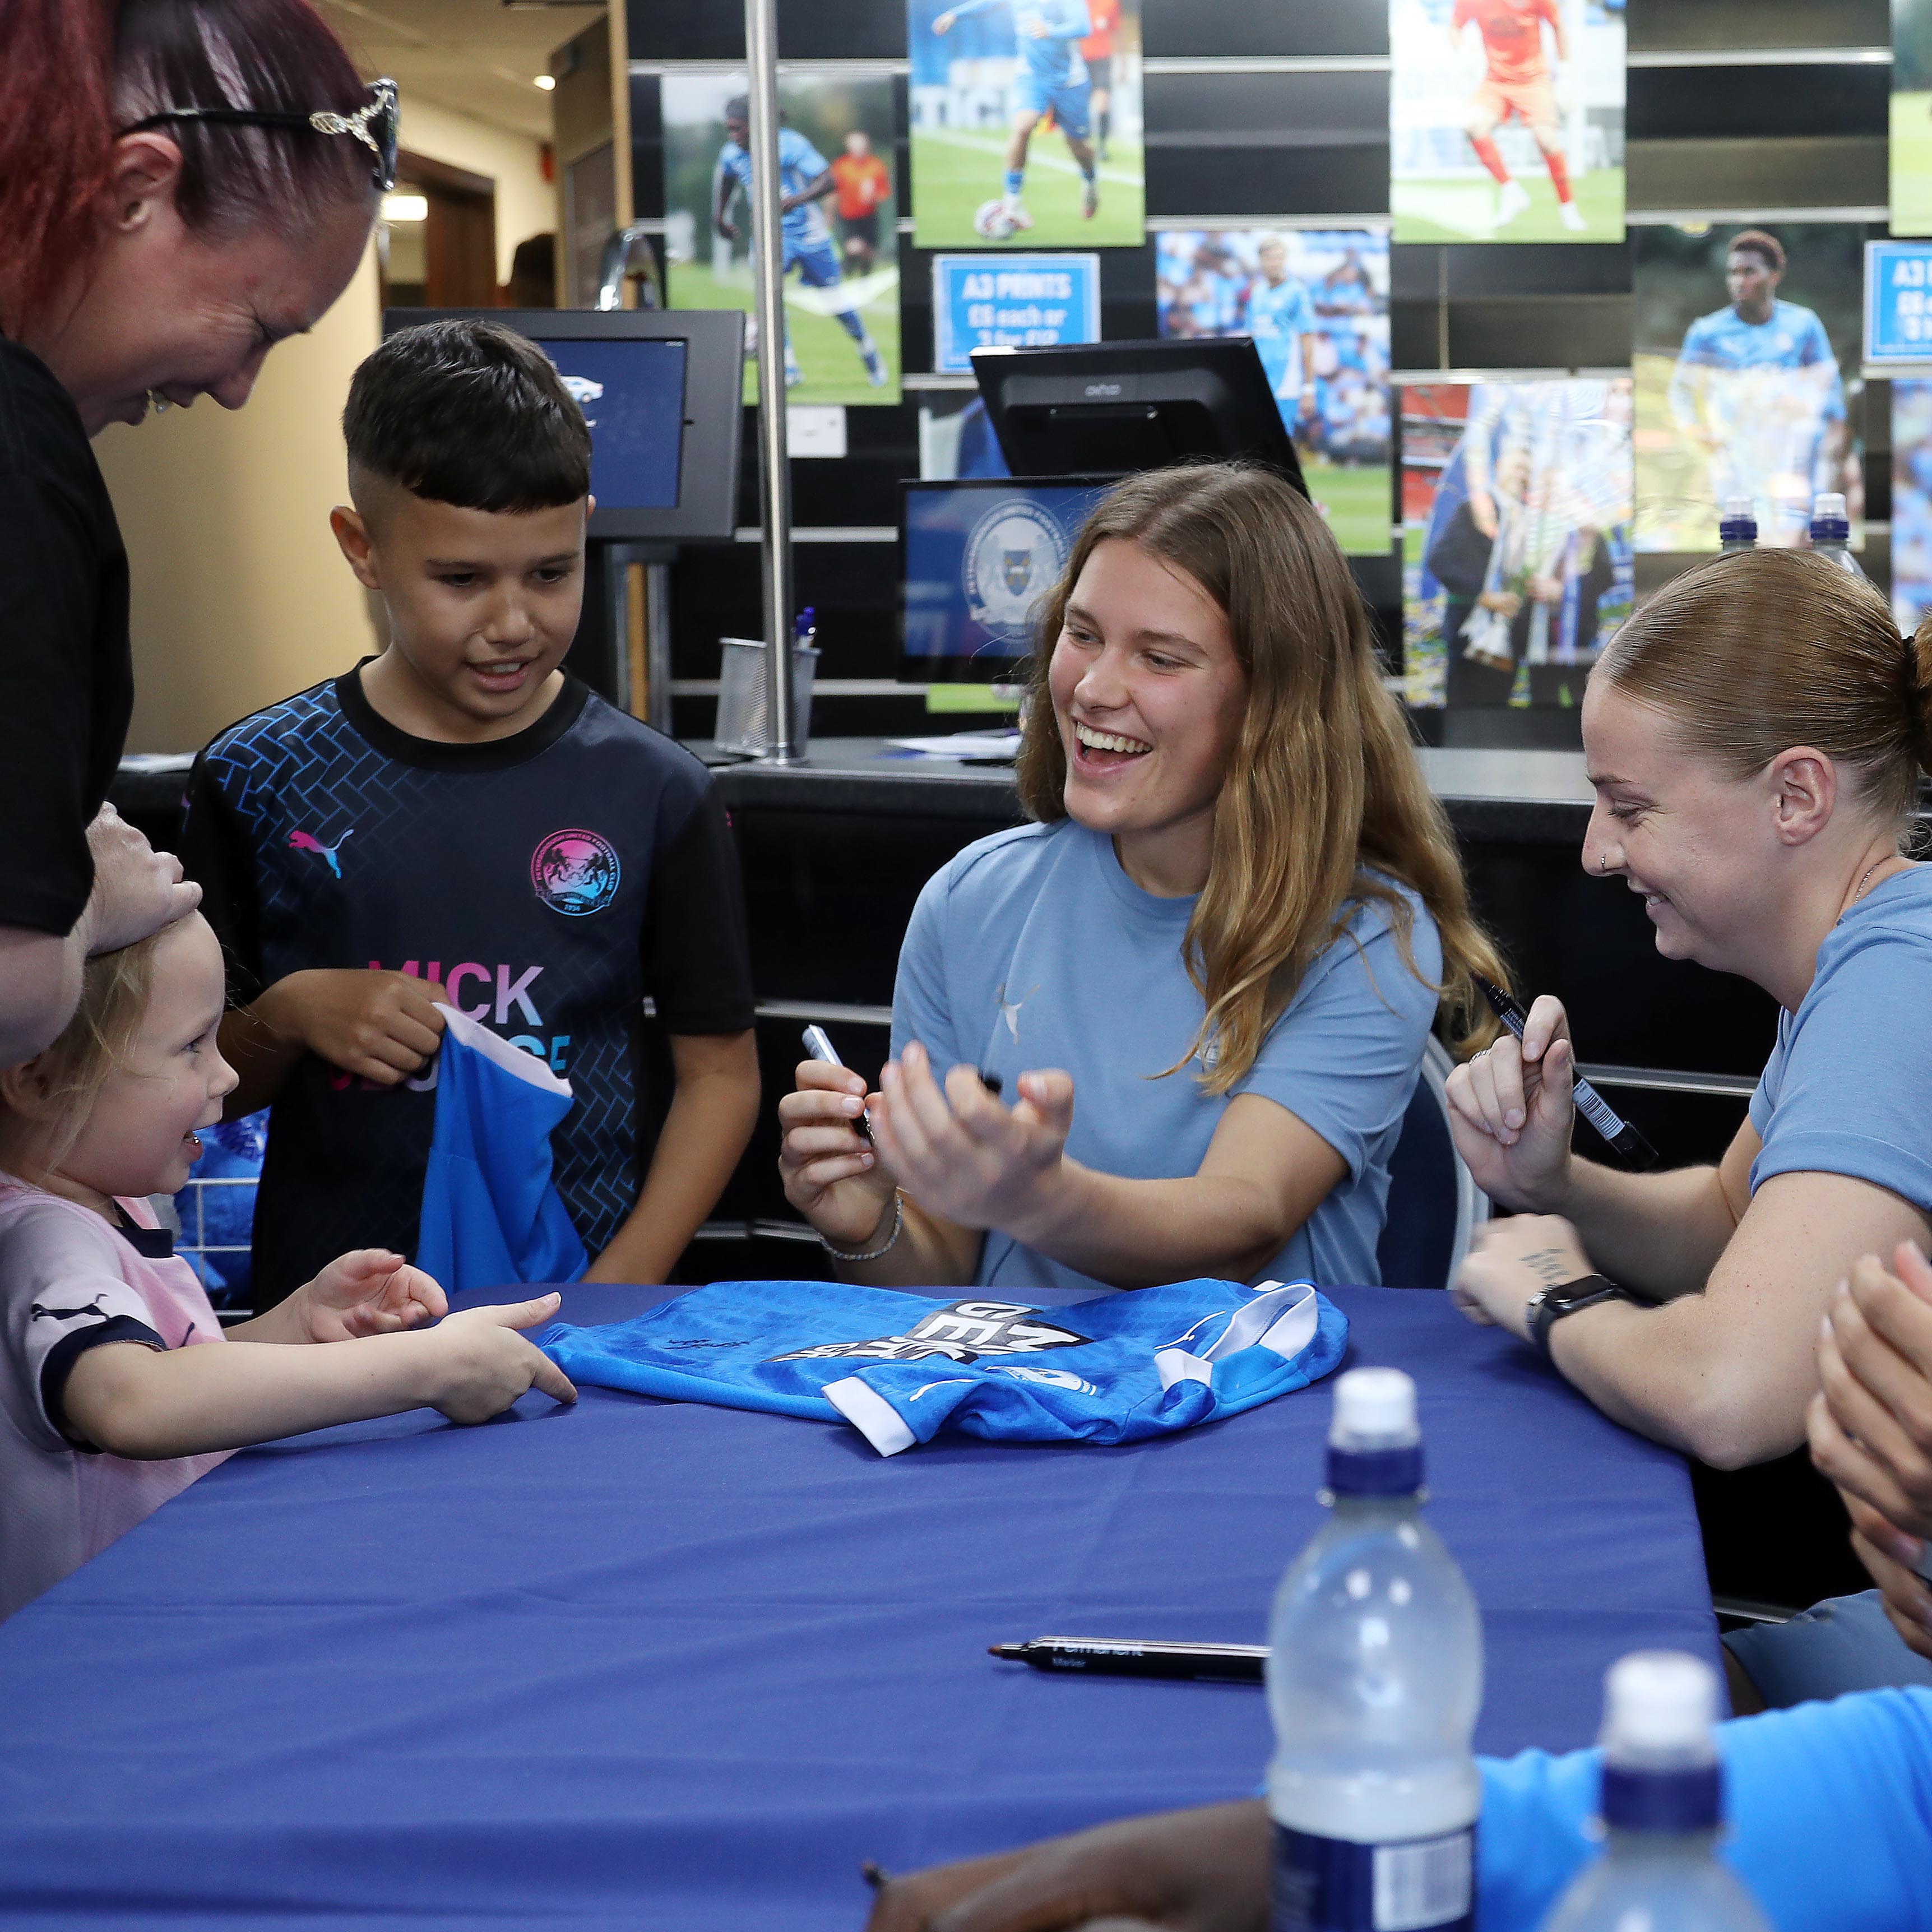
point(1627, 1141)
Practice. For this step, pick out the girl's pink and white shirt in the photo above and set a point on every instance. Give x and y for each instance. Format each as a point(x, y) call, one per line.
point(69, 1282)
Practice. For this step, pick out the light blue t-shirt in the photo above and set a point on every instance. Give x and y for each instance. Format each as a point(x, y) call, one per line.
point(799, 165)
point(1280, 308)
point(1033, 950)
point(1050, 56)
point(1829, 1807)
point(1792, 338)
point(1848, 1087)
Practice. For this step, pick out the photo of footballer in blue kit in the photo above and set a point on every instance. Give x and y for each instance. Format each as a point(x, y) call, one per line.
point(989, 77)
point(1314, 302)
point(841, 308)
point(1745, 395)
point(804, 179)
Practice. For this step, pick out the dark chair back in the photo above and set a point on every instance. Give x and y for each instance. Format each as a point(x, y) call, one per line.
point(1433, 1202)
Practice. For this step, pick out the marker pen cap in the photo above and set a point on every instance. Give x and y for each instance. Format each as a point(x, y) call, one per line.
point(1374, 1446)
point(1829, 524)
point(1660, 1770)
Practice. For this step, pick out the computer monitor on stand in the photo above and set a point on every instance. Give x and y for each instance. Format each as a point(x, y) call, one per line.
point(662, 390)
point(977, 559)
point(1112, 409)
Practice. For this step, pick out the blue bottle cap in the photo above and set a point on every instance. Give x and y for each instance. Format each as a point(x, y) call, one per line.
point(1690, 1800)
point(1661, 1768)
point(1375, 1472)
point(1375, 1448)
point(1829, 522)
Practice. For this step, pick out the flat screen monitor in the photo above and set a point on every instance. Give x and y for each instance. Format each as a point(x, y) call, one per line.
point(976, 560)
point(661, 390)
point(1111, 409)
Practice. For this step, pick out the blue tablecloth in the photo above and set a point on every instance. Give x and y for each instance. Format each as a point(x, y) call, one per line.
point(668, 1666)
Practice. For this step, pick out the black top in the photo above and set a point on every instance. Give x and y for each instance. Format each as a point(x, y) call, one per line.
point(66, 678)
point(550, 881)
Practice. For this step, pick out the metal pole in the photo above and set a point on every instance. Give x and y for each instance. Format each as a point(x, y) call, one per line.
point(761, 50)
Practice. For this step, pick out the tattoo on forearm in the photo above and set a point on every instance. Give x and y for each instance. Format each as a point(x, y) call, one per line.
point(1551, 1265)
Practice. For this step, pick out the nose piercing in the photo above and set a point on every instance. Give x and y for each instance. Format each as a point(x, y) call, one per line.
point(158, 403)
point(1603, 864)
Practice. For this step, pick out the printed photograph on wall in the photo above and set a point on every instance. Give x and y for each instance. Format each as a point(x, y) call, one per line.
point(1911, 145)
point(1747, 346)
point(1315, 300)
point(840, 204)
point(1911, 502)
point(1506, 120)
point(1516, 561)
point(1026, 123)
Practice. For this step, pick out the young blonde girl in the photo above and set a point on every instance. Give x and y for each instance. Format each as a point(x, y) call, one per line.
point(112, 1398)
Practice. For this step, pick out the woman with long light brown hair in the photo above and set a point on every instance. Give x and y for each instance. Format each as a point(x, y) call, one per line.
point(1204, 975)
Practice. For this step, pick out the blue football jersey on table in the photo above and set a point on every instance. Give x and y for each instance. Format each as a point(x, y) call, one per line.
point(901, 1367)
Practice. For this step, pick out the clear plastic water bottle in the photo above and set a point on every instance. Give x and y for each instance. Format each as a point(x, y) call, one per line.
point(1375, 1676)
point(1662, 1806)
point(1737, 528)
point(1831, 531)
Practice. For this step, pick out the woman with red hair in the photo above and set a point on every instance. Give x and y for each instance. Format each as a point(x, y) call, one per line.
point(182, 184)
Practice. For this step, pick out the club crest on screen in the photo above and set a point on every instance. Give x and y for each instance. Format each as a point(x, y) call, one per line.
point(962, 1331)
point(1014, 556)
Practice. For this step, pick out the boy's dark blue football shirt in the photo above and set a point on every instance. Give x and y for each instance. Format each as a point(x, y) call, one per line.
point(550, 881)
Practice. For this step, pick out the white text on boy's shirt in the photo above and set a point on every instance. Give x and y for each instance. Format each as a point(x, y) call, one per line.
point(511, 991)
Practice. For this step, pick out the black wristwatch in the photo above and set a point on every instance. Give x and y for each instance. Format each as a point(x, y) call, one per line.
point(1551, 1304)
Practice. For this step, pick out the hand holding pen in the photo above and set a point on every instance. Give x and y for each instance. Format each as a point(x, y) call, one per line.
point(832, 1173)
point(1512, 1109)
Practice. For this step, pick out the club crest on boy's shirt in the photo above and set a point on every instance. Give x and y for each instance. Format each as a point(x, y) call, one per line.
point(575, 872)
point(962, 1331)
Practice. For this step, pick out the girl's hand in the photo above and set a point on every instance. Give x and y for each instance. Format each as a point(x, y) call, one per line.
point(1510, 1113)
point(481, 1365)
point(960, 1153)
point(370, 1291)
point(1510, 1261)
point(831, 1175)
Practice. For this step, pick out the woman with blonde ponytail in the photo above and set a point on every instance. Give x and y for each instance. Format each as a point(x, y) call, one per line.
point(1756, 735)
point(1204, 975)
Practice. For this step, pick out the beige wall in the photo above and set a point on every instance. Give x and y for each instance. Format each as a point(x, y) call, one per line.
point(240, 595)
point(526, 202)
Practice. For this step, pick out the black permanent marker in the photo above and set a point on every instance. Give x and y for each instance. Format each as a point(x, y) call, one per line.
point(1132, 1656)
point(1592, 1105)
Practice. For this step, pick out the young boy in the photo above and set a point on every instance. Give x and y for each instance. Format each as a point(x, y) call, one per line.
point(459, 820)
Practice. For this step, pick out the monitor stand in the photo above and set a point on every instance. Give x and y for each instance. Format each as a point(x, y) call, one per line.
point(630, 664)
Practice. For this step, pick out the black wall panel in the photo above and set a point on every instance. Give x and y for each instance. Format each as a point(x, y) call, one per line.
point(1231, 147)
point(1760, 103)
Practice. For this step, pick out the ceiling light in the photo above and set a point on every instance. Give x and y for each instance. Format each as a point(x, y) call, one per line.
point(546, 81)
point(405, 207)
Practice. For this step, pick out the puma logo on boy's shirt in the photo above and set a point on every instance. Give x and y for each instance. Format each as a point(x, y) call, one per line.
point(307, 842)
